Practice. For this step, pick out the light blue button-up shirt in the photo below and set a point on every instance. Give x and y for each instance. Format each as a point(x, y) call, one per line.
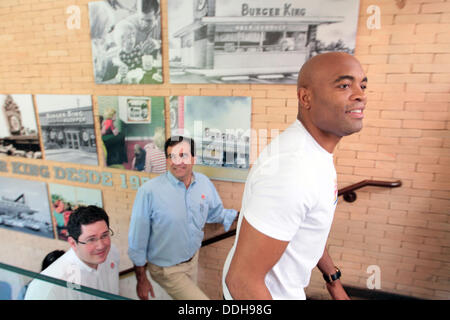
point(167, 219)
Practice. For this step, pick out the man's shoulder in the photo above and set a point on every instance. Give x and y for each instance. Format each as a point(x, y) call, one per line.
point(203, 179)
point(114, 253)
point(201, 176)
point(154, 184)
point(292, 146)
point(57, 268)
point(40, 290)
point(293, 138)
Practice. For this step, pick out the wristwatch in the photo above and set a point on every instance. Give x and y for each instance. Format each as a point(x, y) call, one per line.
point(329, 278)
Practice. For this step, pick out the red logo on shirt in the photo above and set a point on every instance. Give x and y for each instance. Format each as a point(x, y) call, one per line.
point(336, 192)
point(203, 196)
point(112, 265)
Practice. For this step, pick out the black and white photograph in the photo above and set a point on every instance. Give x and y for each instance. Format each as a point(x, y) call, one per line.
point(67, 128)
point(24, 207)
point(220, 127)
point(126, 41)
point(18, 129)
point(254, 41)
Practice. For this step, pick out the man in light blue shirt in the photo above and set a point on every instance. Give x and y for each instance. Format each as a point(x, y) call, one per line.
point(167, 222)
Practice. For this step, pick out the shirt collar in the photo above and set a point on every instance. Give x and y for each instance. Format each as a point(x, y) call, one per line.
point(81, 264)
point(177, 182)
point(316, 144)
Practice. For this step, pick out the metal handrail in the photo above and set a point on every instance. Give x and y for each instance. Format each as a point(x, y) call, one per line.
point(348, 193)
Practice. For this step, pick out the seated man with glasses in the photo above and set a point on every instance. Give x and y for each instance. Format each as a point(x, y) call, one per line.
point(91, 261)
point(167, 221)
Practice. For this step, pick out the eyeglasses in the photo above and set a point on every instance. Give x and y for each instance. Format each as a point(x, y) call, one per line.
point(174, 157)
point(91, 241)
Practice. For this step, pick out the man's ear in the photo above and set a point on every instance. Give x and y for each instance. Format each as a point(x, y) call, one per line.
point(73, 243)
point(304, 97)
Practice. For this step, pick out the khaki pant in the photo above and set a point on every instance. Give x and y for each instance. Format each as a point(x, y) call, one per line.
point(179, 281)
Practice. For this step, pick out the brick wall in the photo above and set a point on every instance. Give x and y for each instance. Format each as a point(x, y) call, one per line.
point(404, 231)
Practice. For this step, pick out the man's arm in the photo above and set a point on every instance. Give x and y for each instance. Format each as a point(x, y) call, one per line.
point(255, 255)
point(217, 213)
point(138, 235)
point(335, 288)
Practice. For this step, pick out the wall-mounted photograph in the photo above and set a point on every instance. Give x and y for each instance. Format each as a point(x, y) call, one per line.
point(18, 129)
point(126, 41)
point(254, 41)
point(220, 127)
point(67, 127)
point(133, 132)
point(24, 207)
point(65, 199)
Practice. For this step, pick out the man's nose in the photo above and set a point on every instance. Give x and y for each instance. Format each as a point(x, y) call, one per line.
point(359, 95)
point(177, 160)
point(101, 243)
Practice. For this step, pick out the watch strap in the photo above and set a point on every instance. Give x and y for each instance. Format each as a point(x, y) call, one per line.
point(329, 278)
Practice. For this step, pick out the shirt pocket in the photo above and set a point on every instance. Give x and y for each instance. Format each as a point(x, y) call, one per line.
point(199, 212)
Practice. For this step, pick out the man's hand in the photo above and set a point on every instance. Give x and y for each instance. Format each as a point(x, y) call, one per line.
point(335, 288)
point(143, 287)
point(337, 291)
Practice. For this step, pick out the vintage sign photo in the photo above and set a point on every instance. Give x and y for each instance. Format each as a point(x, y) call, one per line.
point(67, 127)
point(220, 127)
point(133, 132)
point(126, 41)
point(65, 199)
point(18, 129)
point(254, 41)
point(138, 110)
point(24, 207)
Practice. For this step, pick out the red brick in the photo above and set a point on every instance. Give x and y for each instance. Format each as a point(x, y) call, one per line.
point(402, 115)
point(382, 123)
point(407, 97)
point(438, 78)
point(431, 68)
point(426, 106)
point(438, 97)
point(417, 18)
point(377, 156)
point(436, 7)
point(393, 49)
point(423, 124)
point(407, 78)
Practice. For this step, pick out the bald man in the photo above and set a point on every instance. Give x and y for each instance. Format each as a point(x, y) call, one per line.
point(291, 192)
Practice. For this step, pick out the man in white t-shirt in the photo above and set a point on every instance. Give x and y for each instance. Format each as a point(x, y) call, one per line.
point(291, 192)
point(91, 261)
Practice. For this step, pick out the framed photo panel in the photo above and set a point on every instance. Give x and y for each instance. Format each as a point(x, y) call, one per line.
point(220, 127)
point(133, 132)
point(18, 129)
point(67, 126)
point(126, 41)
point(254, 41)
point(65, 199)
point(24, 207)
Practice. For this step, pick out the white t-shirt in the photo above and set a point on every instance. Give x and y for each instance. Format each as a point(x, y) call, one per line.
point(290, 195)
point(70, 268)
